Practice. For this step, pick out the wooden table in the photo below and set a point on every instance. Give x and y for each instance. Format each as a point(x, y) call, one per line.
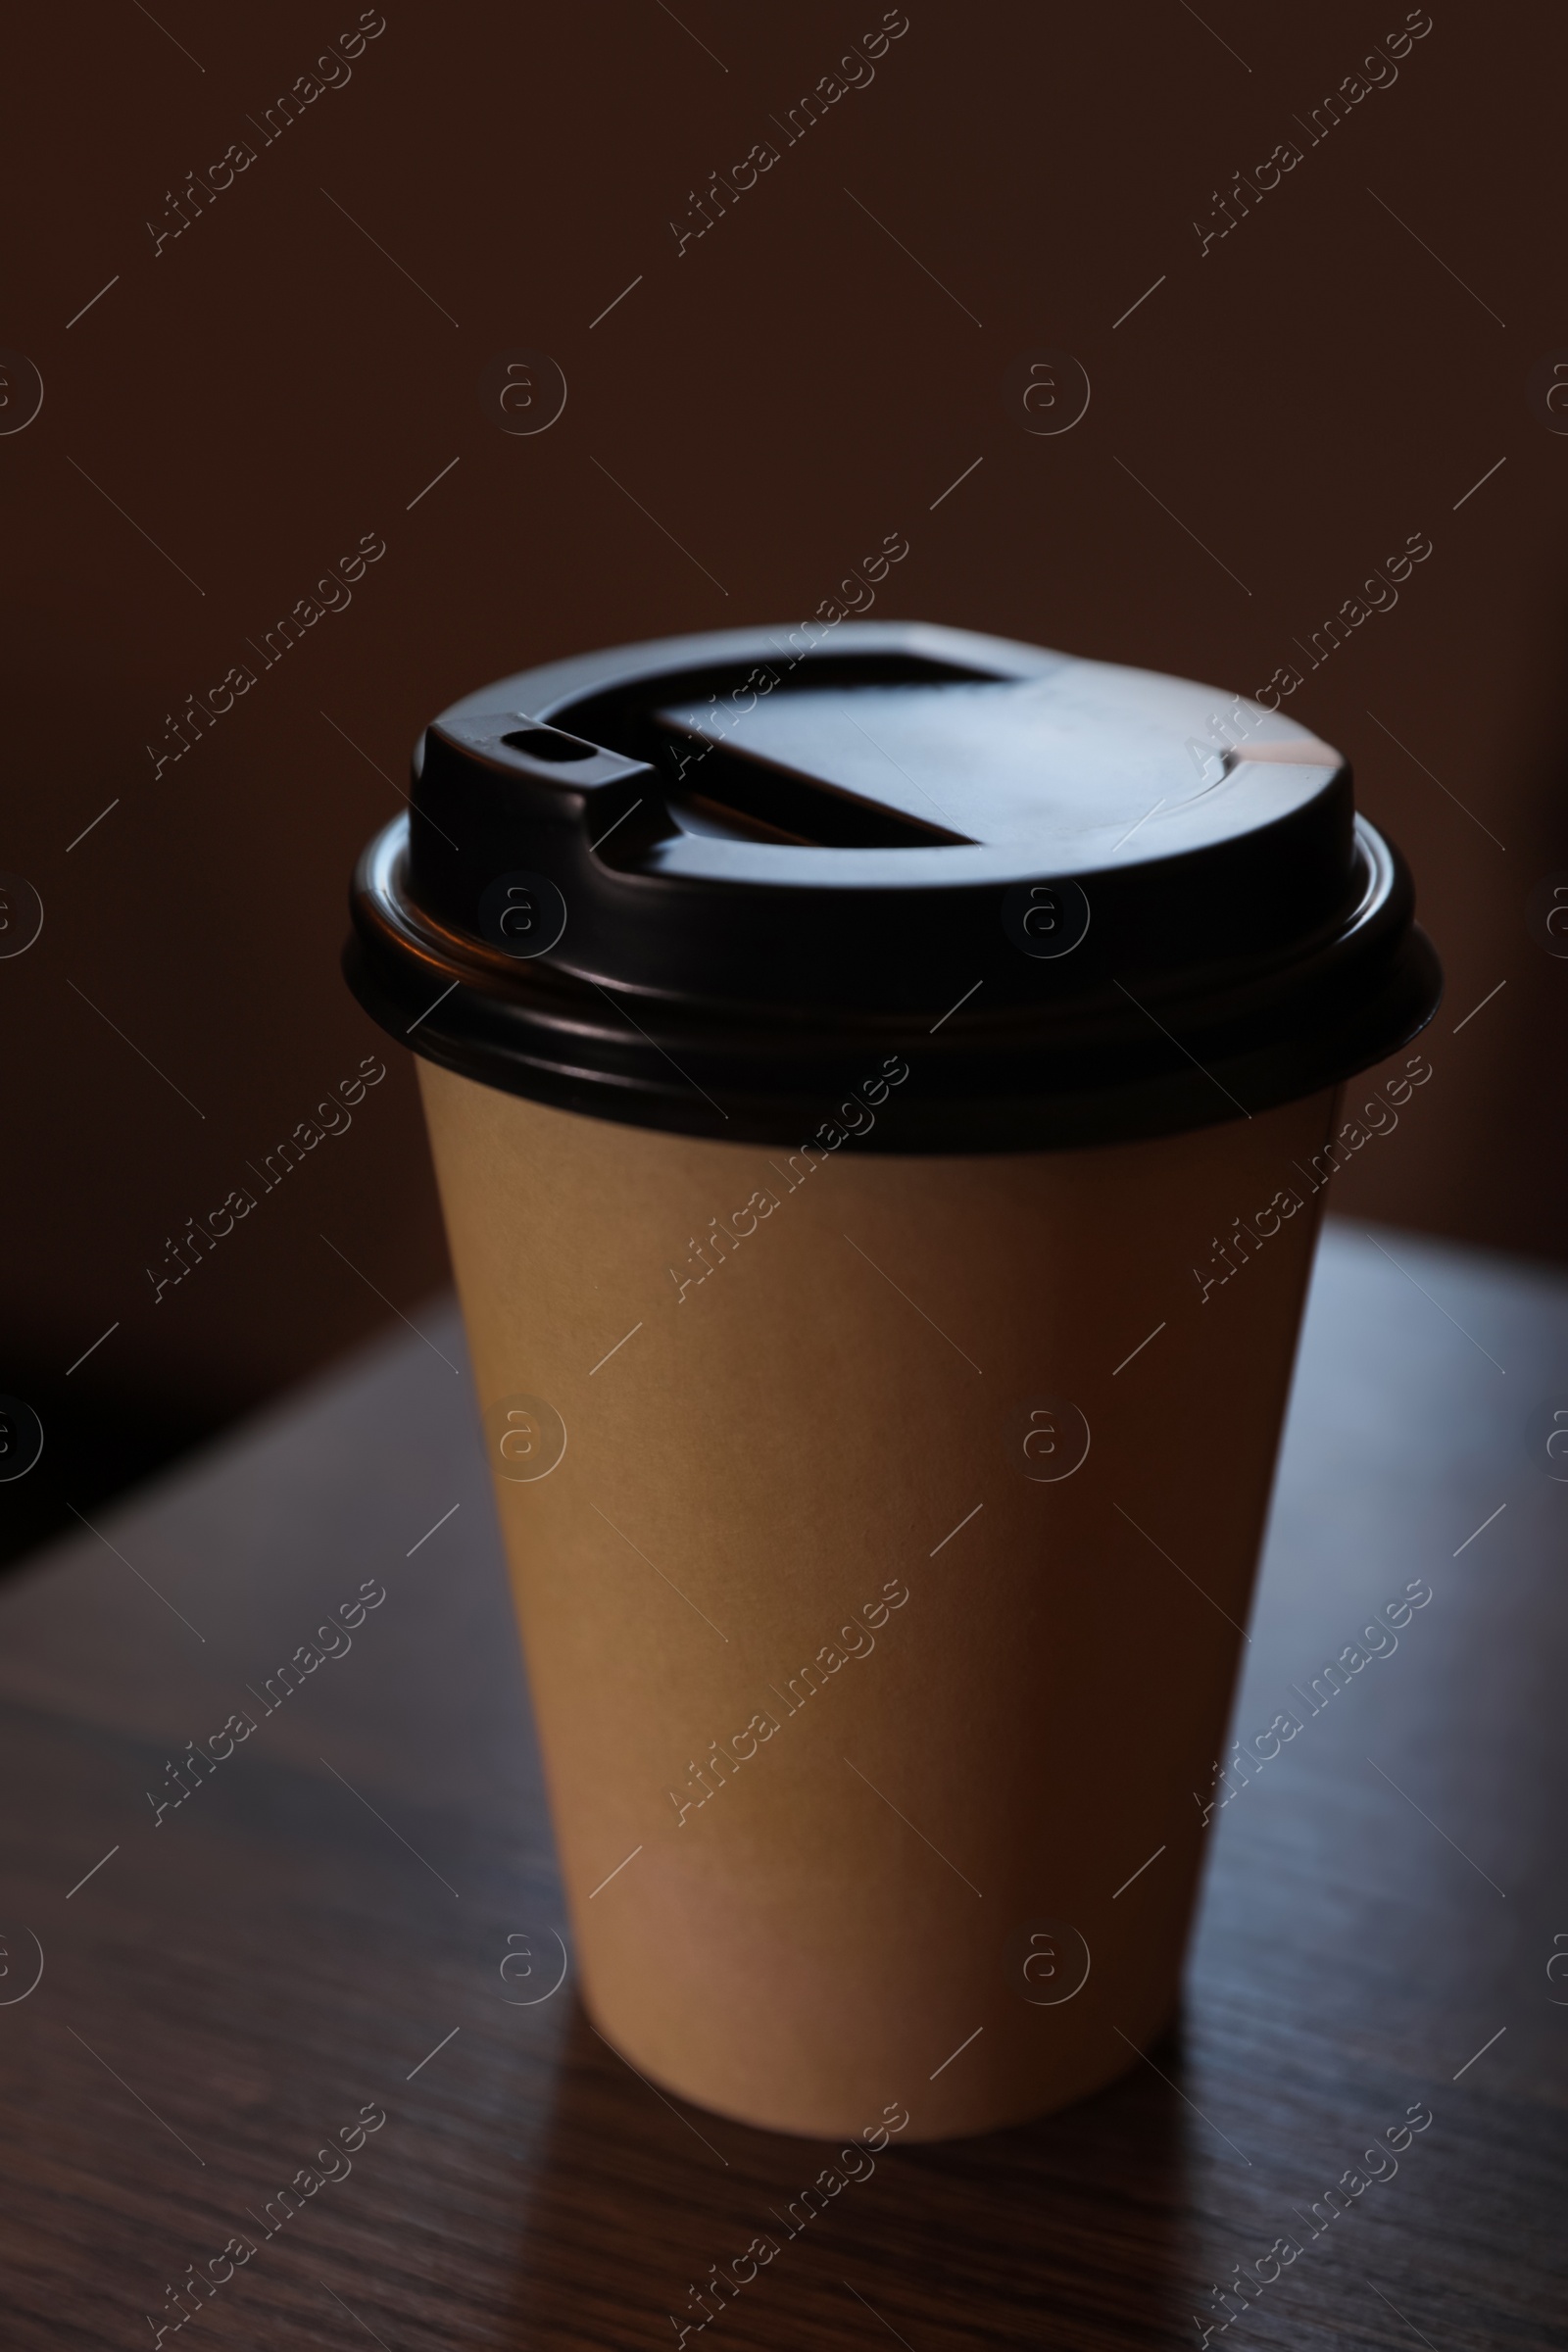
point(357, 1914)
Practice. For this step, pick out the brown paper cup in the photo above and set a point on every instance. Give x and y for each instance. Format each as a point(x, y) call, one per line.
point(881, 1591)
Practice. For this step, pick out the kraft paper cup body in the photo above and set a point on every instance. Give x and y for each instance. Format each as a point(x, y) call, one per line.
point(863, 1690)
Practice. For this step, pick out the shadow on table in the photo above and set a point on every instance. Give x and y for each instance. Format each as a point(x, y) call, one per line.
point(93, 1451)
point(1070, 2229)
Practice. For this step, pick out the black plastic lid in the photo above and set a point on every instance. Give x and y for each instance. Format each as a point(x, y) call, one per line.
point(715, 883)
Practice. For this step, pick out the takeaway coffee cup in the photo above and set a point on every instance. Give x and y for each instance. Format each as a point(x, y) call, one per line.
point(881, 1090)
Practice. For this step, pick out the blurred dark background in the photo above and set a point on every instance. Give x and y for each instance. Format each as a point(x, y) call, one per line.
point(248, 397)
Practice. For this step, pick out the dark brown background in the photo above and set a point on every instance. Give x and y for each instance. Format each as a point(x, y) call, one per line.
point(791, 388)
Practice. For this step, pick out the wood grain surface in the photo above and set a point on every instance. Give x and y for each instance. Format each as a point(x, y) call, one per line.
point(355, 1915)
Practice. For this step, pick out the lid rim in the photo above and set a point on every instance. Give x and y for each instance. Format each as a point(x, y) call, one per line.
point(389, 919)
point(1176, 1101)
point(974, 1095)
